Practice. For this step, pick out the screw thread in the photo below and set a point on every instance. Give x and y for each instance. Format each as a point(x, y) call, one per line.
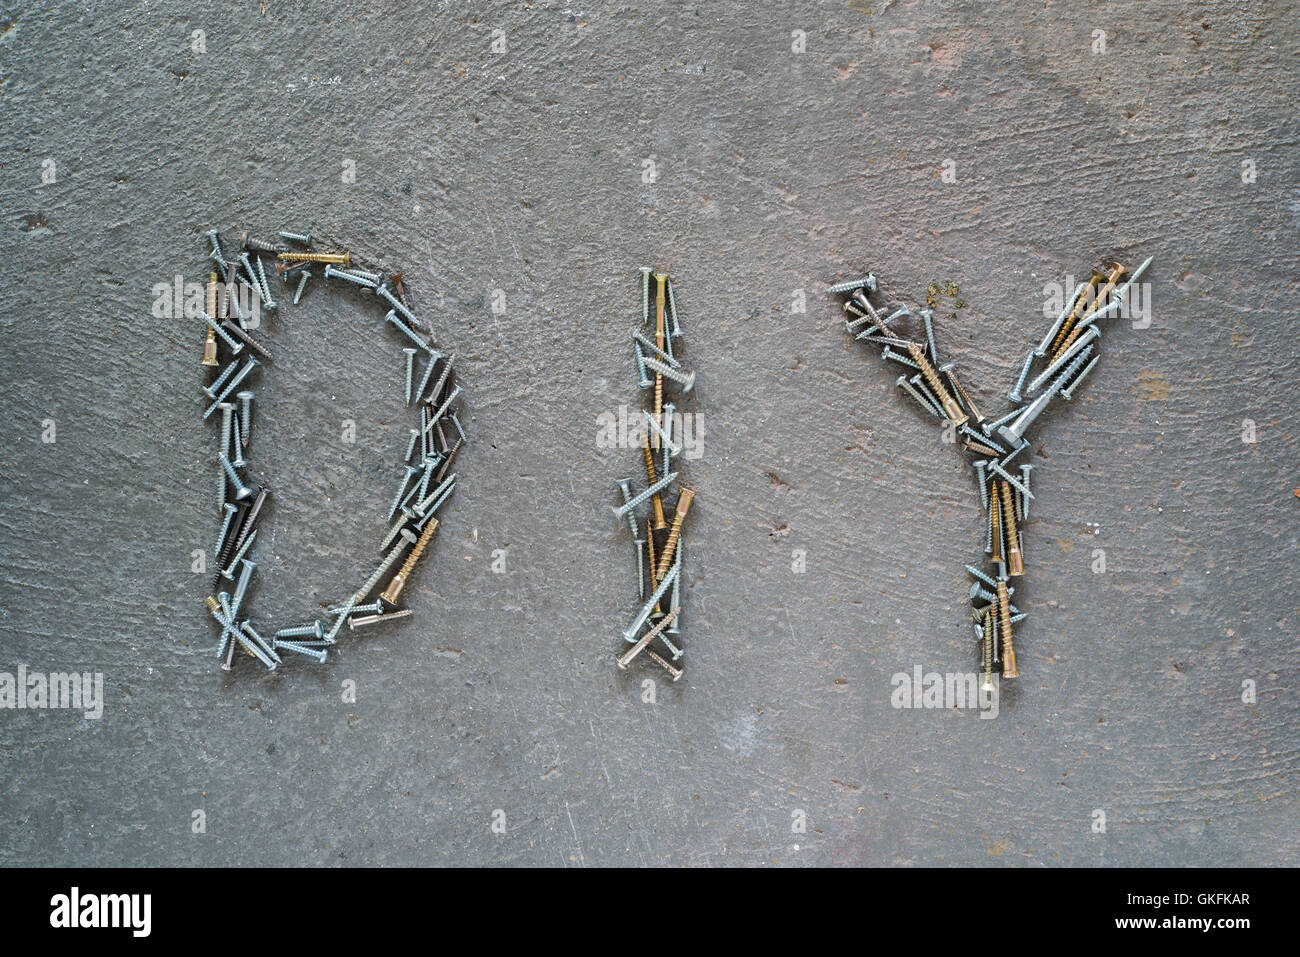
point(1004, 622)
point(652, 478)
point(666, 557)
point(1015, 562)
point(340, 259)
point(301, 631)
point(950, 406)
point(995, 520)
point(399, 580)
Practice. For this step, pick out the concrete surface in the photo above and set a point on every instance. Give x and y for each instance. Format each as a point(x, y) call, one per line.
point(777, 171)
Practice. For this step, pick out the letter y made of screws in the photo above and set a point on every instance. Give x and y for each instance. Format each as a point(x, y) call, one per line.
point(1062, 359)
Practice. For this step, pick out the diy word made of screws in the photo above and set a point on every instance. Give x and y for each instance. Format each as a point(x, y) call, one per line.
point(423, 489)
point(1066, 354)
point(659, 551)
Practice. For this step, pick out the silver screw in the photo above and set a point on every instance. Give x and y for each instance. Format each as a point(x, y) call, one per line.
point(644, 382)
point(411, 470)
point(978, 591)
point(245, 414)
point(332, 273)
point(266, 287)
point(889, 353)
point(300, 238)
point(242, 491)
point(211, 390)
point(981, 473)
point(1068, 392)
point(374, 608)
point(227, 409)
point(636, 500)
point(645, 295)
point(670, 449)
point(314, 630)
point(1079, 344)
point(302, 284)
point(225, 526)
point(981, 576)
point(655, 351)
point(399, 306)
point(625, 486)
point(926, 317)
point(232, 344)
point(392, 318)
point(867, 282)
point(434, 356)
point(232, 385)
point(924, 389)
point(318, 654)
point(676, 331)
point(1015, 431)
point(685, 379)
point(410, 371)
point(216, 248)
point(629, 633)
point(1024, 502)
point(410, 446)
point(245, 575)
point(234, 443)
point(355, 623)
point(1056, 326)
point(902, 383)
point(229, 570)
point(1010, 479)
point(1014, 394)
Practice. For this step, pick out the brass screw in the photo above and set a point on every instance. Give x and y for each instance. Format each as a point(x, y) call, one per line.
point(210, 340)
point(669, 667)
point(338, 259)
point(1076, 313)
point(399, 580)
point(660, 336)
point(961, 392)
point(995, 517)
point(683, 506)
point(1004, 621)
point(650, 555)
point(1111, 281)
point(648, 637)
point(950, 407)
point(1015, 562)
point(986, 643)
point(651, 477)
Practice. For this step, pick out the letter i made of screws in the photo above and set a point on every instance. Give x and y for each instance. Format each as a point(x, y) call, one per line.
point(238, 289)
point(656, 541)
point(1066, 355)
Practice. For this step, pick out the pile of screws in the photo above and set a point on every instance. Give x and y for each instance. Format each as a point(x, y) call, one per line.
point(421, 493)
point(1067, 353)
point(658, 558)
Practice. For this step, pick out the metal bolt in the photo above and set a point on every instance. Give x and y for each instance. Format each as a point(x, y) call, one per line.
point(867, 282)
point(302, 284)
point(242, 491)
point(303, 238)
point(1014, 394)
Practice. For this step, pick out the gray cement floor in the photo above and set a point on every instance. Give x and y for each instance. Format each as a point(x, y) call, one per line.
point(777, 171)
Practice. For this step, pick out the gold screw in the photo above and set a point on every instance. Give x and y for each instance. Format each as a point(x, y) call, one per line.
point(683, 506)
point(210, 340)
point(1004, 621)
point(650, 549)
point(1015, 562)
point(660, 335)
point(399, 580)
point(950, 407)
point(1076, 313)
point(652, 477)
point(987, 646)
point(338, 259)
point(1111, 281)
point(995, 516)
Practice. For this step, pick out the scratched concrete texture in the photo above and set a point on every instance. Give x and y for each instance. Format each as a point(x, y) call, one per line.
point(521, 170)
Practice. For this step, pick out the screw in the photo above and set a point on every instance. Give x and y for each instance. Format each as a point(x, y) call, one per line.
point(313, 630)
point(246, 524)
point(249, 242)
point(625, 486)
point(370, 583)
point(949, 404)
point(888, 353)
point(446, 404)
point(332, 273)
point(1068, 392)
point(626, 658)
point(672, 307)
point(1082, 301)
point(318, 654)
point(225, 526)
point(981, 576)
point(655, 351)
point(266, 287)
point(399, 306)
point(672, 670)
point(995, 521)
point(434, 356)
point(235, 330)
point(242, 491)
point(925, 403)
point(216, 254)
point(988, 427)
point(1004, 620)
point(355, 623)
point(235, 347)
point(245, 414)
point(231, 385)
point(636, 500)
point(234, 443)
point(983, 440)
point(645, 295)
point(242, 550)
point(398, 581)
point(411, 470)
point(962, 397)
point(211, 390)
point(996, 466)
point(303, 238)
point(1061, 358)
point(1111, 281)
point(644, 381)
point(302, 284)
point(1024, 502)
point(1015, 431)
point(980, 472)
point(1056, 326)
point(442, 381)
point(926, 317)
point(375, 608)
point(1015, 562)
point(666, 437)
point(245, 575)
point(410, 371)
point(685, 379)
point(922, 388)
point(656, 500)
point(338, 259)
point(978, 593)
point(1014, 394)
point(684, 500)
point(391, 317)
point(867, 282)
point(629, 633)
point(226, 409)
